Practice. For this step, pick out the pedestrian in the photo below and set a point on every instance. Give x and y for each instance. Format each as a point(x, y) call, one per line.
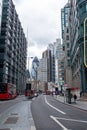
point(81, 94)
point(75, 97)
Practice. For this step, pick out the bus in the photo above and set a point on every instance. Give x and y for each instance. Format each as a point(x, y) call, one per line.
point(29, 92)
point(7, 91)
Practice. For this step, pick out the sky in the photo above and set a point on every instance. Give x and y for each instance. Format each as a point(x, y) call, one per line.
point(41, 22)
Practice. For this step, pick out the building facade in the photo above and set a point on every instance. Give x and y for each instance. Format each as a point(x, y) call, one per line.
point(78, 43)
point(60, 56)
point(35, 64)
point(47, 54)
point(51, 47)
point(0, 13)
point(66, 44)
point(13, 46)
point(42, 70)
point(64, 17)
point(82, 41)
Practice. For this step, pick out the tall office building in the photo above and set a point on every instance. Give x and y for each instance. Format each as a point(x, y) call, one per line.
point(35, 64)
point(51, 47)
point(64, 17)
point(59, 63)
point(0, 13)
point(13, 46)
point(47, 54)
point(66, 43)
point(42, 70)
point(78, 16)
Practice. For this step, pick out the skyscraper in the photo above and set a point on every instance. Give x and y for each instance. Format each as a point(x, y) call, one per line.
point(0, 13)
point(13, 46)
point(35, 64)
point(66, 43)
point(78, 18)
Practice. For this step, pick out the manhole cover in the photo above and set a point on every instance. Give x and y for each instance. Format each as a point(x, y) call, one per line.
point(11, 120)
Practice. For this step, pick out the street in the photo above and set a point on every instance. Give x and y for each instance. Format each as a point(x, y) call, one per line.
point(50, 114)
point(40, 113)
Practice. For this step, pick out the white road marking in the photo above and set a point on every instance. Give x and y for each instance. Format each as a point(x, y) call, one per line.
point(53, 106)
point(81, 121)
point(33, 128)
point(64, 128)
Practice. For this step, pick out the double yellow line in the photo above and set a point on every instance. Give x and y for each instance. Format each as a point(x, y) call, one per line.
point(85, 42)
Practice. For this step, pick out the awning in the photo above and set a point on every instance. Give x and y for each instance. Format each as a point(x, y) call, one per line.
point(73, 88)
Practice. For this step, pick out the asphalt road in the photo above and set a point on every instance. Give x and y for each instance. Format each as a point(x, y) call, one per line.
point(50, 114)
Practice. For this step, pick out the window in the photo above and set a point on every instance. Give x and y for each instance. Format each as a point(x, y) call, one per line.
point(68, 62)
point(67, 31)
point(68, 53)
point(83, 9)
point(67, 37)
point(67, 44)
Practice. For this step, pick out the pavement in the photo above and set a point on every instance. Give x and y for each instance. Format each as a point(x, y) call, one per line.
point(81, 104)
point(18, 117)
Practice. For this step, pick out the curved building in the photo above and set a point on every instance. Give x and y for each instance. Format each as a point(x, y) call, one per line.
point(35, 64)
point(78, 14)
point(82, 15)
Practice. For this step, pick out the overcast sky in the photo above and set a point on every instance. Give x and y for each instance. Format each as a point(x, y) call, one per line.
point(41, 21)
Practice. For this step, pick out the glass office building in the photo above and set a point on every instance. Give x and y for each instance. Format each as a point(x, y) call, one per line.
point(0, 13)
point(13, 47)
point(78, 53)
point(82, 16)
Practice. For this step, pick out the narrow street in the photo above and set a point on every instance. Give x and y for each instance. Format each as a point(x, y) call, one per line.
point(50, 114)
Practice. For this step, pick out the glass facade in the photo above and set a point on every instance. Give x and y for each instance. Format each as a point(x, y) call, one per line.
point(13, 46)
point(0, 13)
point(64, 17)
point(82, 15)
point(78, 13)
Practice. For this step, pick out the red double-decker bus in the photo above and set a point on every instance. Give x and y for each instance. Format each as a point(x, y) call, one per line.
point(7, 91)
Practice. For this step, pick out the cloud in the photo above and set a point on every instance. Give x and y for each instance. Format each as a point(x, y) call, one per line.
point(35, 51)
point(41, 21)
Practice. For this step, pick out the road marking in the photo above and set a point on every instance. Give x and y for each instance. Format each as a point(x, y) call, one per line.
point(64, 128)
point(53, 106)
point(81, 121)
point(33, 128)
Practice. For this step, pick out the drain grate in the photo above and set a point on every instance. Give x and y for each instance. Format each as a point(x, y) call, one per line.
point(11, 120)
point(14, 113)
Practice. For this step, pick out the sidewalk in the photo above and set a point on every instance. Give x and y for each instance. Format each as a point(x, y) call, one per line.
point(18, 117)
point(78, 104)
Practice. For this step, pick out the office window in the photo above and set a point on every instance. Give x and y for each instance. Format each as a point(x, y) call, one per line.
point(68, 53)
point(67, 37)
point(68, 62)
point(67, 44)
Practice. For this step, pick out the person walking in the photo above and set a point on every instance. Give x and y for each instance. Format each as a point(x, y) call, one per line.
point(75, 97)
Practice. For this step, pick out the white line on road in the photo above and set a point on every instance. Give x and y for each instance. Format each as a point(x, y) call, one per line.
point(81, 121)
point(53, 106)
point(64, 128)
point(33, 128)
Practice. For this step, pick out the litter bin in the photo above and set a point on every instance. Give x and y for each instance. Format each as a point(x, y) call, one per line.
point(69, 98)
